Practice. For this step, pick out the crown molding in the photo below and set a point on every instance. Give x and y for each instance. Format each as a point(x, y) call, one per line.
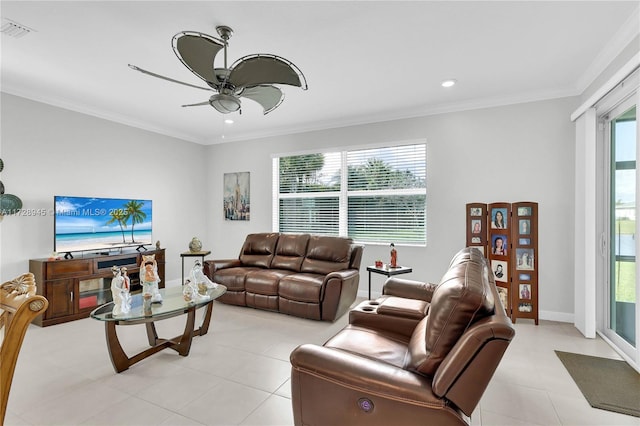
point(105, 115)
point(408, 113)
point(426, 111)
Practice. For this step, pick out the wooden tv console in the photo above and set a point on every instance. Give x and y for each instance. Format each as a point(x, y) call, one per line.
point(74, 287)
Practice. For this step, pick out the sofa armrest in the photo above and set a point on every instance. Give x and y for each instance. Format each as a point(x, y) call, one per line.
point(329, 386)
point(408, 289)
point(340, 289)
point(361, 373)
point(344, 275)
point(211, 266)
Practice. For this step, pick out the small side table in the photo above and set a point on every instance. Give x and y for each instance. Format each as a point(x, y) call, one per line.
point(388, 271)
point(200, 254)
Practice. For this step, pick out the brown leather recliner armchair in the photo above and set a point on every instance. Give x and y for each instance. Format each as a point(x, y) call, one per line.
point(374, 373)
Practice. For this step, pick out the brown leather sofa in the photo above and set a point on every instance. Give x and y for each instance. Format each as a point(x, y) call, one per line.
point(307, 276)
point(405, 361)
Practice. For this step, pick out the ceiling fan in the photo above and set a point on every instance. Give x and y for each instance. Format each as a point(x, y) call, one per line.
point(252, 76)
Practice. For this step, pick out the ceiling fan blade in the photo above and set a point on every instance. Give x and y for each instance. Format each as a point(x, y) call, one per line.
point(133, 67)
point(198, 104)
point(255, 70)
point(269, 97)
point(197, 52)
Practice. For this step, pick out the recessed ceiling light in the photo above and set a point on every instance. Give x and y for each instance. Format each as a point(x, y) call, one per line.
point(448, 83)
point(228, 121)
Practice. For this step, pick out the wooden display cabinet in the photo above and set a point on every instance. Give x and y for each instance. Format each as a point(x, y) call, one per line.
point(75, 287)
point(507, 234)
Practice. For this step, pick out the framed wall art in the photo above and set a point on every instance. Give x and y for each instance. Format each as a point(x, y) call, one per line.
point(236, 202)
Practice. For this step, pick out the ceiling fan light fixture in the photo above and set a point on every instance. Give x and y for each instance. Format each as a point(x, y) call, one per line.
point(449, 82)
point(225, 103)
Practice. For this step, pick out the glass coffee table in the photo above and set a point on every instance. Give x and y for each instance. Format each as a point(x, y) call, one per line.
point(173, 305)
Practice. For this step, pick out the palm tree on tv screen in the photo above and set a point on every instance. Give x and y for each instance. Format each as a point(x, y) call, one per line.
point(119, 216)
point(134, 211)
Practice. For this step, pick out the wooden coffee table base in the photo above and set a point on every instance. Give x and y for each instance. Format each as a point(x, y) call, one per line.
point(181, 344)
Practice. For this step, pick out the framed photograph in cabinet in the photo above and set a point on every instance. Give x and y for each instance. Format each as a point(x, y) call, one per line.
point(524, 259)
point(500, 270)
point(499, 218)
point(499, 244)
point(525, 291)
point(524, 241)
point(524, 211)
point(476, 226)
point(524, 226)
point(525, 307)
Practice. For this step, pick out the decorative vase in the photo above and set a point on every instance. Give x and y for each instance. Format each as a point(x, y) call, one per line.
point(195, 245)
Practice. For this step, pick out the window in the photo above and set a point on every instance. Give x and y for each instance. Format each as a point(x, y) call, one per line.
point(622, 227)
point(380, 199)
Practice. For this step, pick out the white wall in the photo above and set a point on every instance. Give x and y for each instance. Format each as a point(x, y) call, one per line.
point(51, 151)
point(514, 153)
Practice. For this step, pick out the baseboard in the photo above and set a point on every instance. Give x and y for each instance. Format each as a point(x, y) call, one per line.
point(556, 316)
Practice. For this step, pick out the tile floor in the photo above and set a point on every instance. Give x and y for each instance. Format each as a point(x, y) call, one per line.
point(238, 374)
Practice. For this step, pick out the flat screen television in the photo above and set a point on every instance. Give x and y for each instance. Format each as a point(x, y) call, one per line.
point(101, 224)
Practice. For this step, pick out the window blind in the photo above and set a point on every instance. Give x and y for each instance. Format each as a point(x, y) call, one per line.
point(380, 199)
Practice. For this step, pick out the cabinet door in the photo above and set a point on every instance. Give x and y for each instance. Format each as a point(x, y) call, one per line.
point(60, 296)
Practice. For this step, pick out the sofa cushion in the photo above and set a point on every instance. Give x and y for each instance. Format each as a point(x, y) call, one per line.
point(258, 249)
point(327, 254)
point(462, 297)
point(232, 278)
point(374, 344)
point(264, 281)
point(290, 252)
point(301, 287)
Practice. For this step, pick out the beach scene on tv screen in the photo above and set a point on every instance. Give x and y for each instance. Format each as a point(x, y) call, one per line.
point(83, 223)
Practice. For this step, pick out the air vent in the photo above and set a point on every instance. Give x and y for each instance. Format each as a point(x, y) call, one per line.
point(14, 29)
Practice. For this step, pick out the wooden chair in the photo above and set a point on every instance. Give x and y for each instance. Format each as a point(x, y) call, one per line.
point(19, 305)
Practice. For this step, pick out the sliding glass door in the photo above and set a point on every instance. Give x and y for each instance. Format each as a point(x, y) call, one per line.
point(621, 307)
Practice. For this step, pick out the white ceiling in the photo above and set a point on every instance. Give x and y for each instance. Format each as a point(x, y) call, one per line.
point(364, 61)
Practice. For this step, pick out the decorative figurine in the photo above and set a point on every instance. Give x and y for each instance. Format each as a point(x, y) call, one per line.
point(120, 292)
point(158, 245)
point(394, 257)
point(188, 292)
point(202, 281)
point(149, 277)
point(197, 285)
point(195, 245)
